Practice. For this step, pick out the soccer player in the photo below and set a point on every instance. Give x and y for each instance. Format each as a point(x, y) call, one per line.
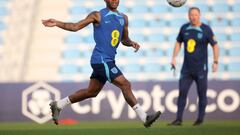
point(195, 36)
point(110, 28)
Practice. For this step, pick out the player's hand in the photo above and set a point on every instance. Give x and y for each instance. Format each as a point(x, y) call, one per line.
point(173, 67)
point(214, 67)
point(173, 63)
point(49, 22)
point(135, 45)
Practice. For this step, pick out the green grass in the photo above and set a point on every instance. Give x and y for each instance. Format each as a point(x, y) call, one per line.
point(121, 128)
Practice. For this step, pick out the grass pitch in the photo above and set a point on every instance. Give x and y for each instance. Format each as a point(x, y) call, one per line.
point(121, 128)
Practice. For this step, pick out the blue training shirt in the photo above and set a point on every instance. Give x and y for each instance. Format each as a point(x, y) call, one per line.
point(107, 36)
point(196, 40)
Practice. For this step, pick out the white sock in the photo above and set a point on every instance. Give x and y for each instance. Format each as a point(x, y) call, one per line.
point(63, 102)
point(141, 114)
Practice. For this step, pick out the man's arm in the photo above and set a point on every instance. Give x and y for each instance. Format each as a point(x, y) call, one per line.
point(125, 38)
point(215, 57)
point(93, 17)
point(175, 53)
point(212, 40)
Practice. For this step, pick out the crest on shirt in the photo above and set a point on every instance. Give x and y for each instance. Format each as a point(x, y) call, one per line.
point(200, 35)
point(121, 21)
point(114, 70)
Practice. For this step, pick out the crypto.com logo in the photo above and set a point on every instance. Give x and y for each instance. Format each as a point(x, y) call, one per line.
point(36, 99)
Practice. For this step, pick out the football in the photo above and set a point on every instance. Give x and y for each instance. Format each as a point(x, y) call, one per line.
point(176, 3)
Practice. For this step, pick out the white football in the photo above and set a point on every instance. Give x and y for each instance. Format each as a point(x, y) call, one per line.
point(176, 3)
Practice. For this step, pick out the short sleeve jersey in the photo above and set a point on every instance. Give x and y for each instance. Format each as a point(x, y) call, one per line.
point(107, 36)
point(196, 40)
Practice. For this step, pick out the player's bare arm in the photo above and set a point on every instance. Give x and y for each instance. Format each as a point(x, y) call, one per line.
point(126, 40)
point(175, 53)
point(215, 58)
point(93, 17)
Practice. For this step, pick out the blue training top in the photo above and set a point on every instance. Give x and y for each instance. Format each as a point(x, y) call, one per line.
point(107, 36)
point(196, 41)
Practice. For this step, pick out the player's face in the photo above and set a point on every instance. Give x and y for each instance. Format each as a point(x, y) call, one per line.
point(112, 4)
point(194, 17)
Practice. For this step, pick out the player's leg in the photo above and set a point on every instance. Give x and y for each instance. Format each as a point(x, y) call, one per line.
point(96, 83)
point(125, 87)
point(93, 89)
point(117, 78)
point(184, 85)
point(201, 81)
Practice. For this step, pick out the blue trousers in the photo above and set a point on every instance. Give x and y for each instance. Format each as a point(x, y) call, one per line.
point(185, 82)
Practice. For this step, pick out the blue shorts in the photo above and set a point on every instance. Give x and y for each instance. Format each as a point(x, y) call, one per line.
point(105, 72)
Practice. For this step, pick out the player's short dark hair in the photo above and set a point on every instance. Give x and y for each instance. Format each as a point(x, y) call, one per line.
point(194, 8)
